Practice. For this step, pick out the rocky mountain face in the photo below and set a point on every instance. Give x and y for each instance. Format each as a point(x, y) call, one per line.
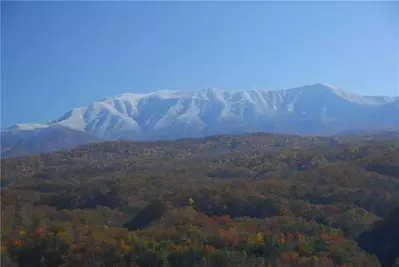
point(317, 109)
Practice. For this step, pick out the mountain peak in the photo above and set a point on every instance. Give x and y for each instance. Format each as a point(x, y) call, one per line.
point(325, 85)
point(173, 114)
point(163, 94)
point(322, 86)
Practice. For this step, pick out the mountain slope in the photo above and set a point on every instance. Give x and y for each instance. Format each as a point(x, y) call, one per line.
point(41, 139)
point(317, 109)
point(314, 109)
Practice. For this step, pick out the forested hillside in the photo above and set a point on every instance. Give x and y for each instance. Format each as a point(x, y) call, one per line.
point(243, 200)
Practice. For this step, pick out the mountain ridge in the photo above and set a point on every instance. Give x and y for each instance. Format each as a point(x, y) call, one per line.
point(317, 109)
point(264, 102)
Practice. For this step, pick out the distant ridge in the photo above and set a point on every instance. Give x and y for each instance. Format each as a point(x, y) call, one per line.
point(317, 109)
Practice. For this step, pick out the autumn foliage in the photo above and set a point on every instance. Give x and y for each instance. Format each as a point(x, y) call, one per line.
point(269, 200)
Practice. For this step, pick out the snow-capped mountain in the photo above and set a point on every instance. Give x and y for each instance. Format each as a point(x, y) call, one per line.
point(317, 109)
point(171, 114)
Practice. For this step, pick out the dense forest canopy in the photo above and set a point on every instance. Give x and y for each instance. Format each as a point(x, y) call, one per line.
point(239, 200)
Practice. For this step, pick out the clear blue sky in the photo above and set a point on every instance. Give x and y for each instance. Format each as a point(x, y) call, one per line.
point(60, 55)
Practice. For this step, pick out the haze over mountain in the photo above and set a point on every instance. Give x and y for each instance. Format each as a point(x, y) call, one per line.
point(317, 109)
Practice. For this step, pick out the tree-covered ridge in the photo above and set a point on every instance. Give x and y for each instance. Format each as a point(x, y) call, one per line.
point(244, 200)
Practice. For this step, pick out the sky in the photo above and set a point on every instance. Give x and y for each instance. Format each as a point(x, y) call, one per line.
point(59, 55)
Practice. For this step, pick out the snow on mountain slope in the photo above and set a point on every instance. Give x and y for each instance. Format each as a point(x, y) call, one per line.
point(25, 127)
point(41, 139)
point(311, 109)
